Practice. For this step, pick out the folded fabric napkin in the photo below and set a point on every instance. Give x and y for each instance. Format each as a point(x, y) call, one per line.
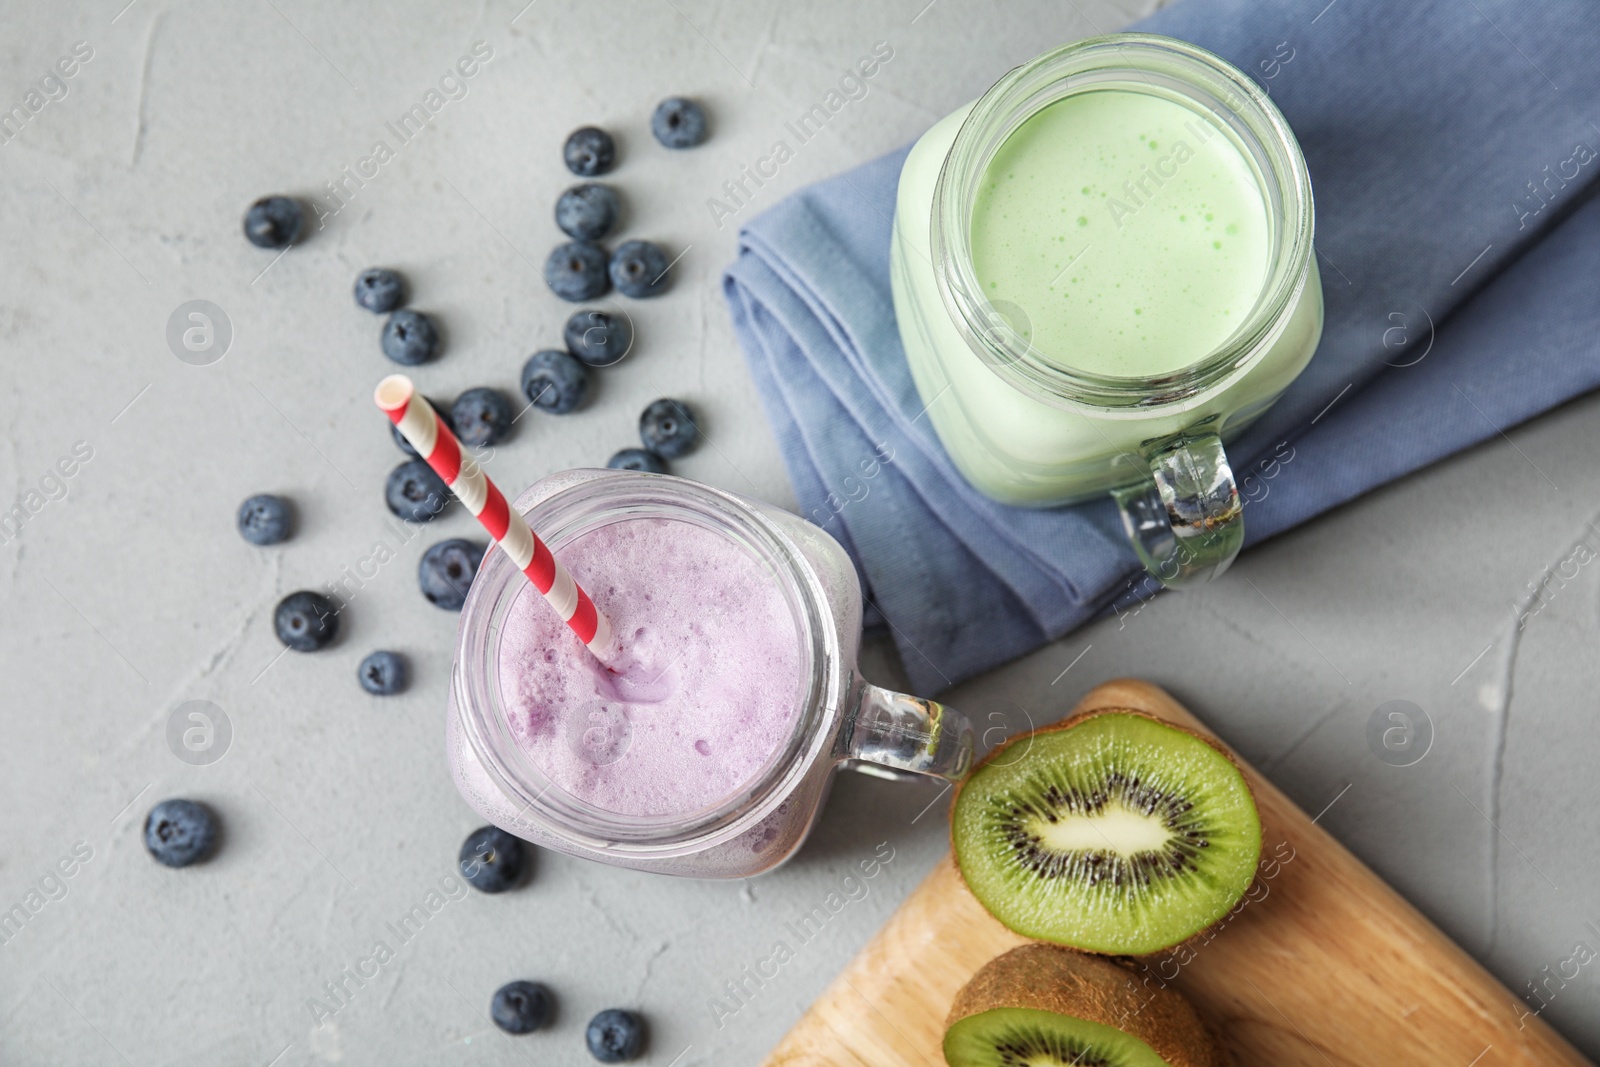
point(1453, 161)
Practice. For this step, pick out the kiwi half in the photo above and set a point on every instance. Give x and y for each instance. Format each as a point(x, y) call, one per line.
point(1114, 832)
point(1043, 1006)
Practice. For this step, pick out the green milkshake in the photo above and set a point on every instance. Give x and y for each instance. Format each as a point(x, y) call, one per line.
point(1107, 255)
point(1131, 234)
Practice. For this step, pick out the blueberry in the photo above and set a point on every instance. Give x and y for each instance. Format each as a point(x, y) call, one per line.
point(668, 428)
point(587, 212)
point(520, 1007)
point(589, 151)
point(306, 621)
point(414, 493)
point(554, 381)
point(482, 417)
point(180, 832)
point(409, 338)
point(492, 860)
point(678, 123)
point(615, 1035)
point(400, 438)
point(265, 519)
point(639, 269)
point(446, 571)
point(637, 459)
point(273, 222)
point(599, 338)
point(577, 271)
point(383, 673)
point(380, 290)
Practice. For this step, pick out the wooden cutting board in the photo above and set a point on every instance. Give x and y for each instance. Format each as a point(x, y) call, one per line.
point(1325, 966)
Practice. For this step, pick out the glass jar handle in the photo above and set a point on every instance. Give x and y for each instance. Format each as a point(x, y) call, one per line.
point(903, 733)
point(1186, 522)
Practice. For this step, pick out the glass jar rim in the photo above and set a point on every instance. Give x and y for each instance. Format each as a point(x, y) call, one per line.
point(599, 498)
point(1233, 102)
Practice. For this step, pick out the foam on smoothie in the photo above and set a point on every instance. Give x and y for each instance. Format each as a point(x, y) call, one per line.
point(709, 682)
point(1128, 229)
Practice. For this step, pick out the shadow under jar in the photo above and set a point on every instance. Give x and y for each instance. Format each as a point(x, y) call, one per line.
point(709, 746)
point(1102, 271)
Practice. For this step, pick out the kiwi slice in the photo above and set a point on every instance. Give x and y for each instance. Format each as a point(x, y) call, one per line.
point(1114, 832)
point(1043, 1006)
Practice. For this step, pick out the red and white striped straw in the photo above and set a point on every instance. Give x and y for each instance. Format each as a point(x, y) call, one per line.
point(421, 425)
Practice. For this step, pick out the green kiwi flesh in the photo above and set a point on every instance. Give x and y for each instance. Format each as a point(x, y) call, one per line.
point(1027, 1037)
point(1114, 833)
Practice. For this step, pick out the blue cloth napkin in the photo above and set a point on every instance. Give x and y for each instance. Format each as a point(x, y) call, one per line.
point(1454, 155)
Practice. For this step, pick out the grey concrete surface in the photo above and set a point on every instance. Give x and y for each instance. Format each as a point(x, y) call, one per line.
point(128, 592)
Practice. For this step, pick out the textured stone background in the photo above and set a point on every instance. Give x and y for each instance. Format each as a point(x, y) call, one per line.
point(132, 594)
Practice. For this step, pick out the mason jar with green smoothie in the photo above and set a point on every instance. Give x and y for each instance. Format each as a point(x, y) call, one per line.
point(1103, 271)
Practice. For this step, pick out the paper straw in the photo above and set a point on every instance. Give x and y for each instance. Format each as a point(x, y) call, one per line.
point(421, 425)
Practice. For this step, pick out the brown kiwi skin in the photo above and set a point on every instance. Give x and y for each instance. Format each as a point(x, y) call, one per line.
point(1100, 989)
point(1067, 724)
